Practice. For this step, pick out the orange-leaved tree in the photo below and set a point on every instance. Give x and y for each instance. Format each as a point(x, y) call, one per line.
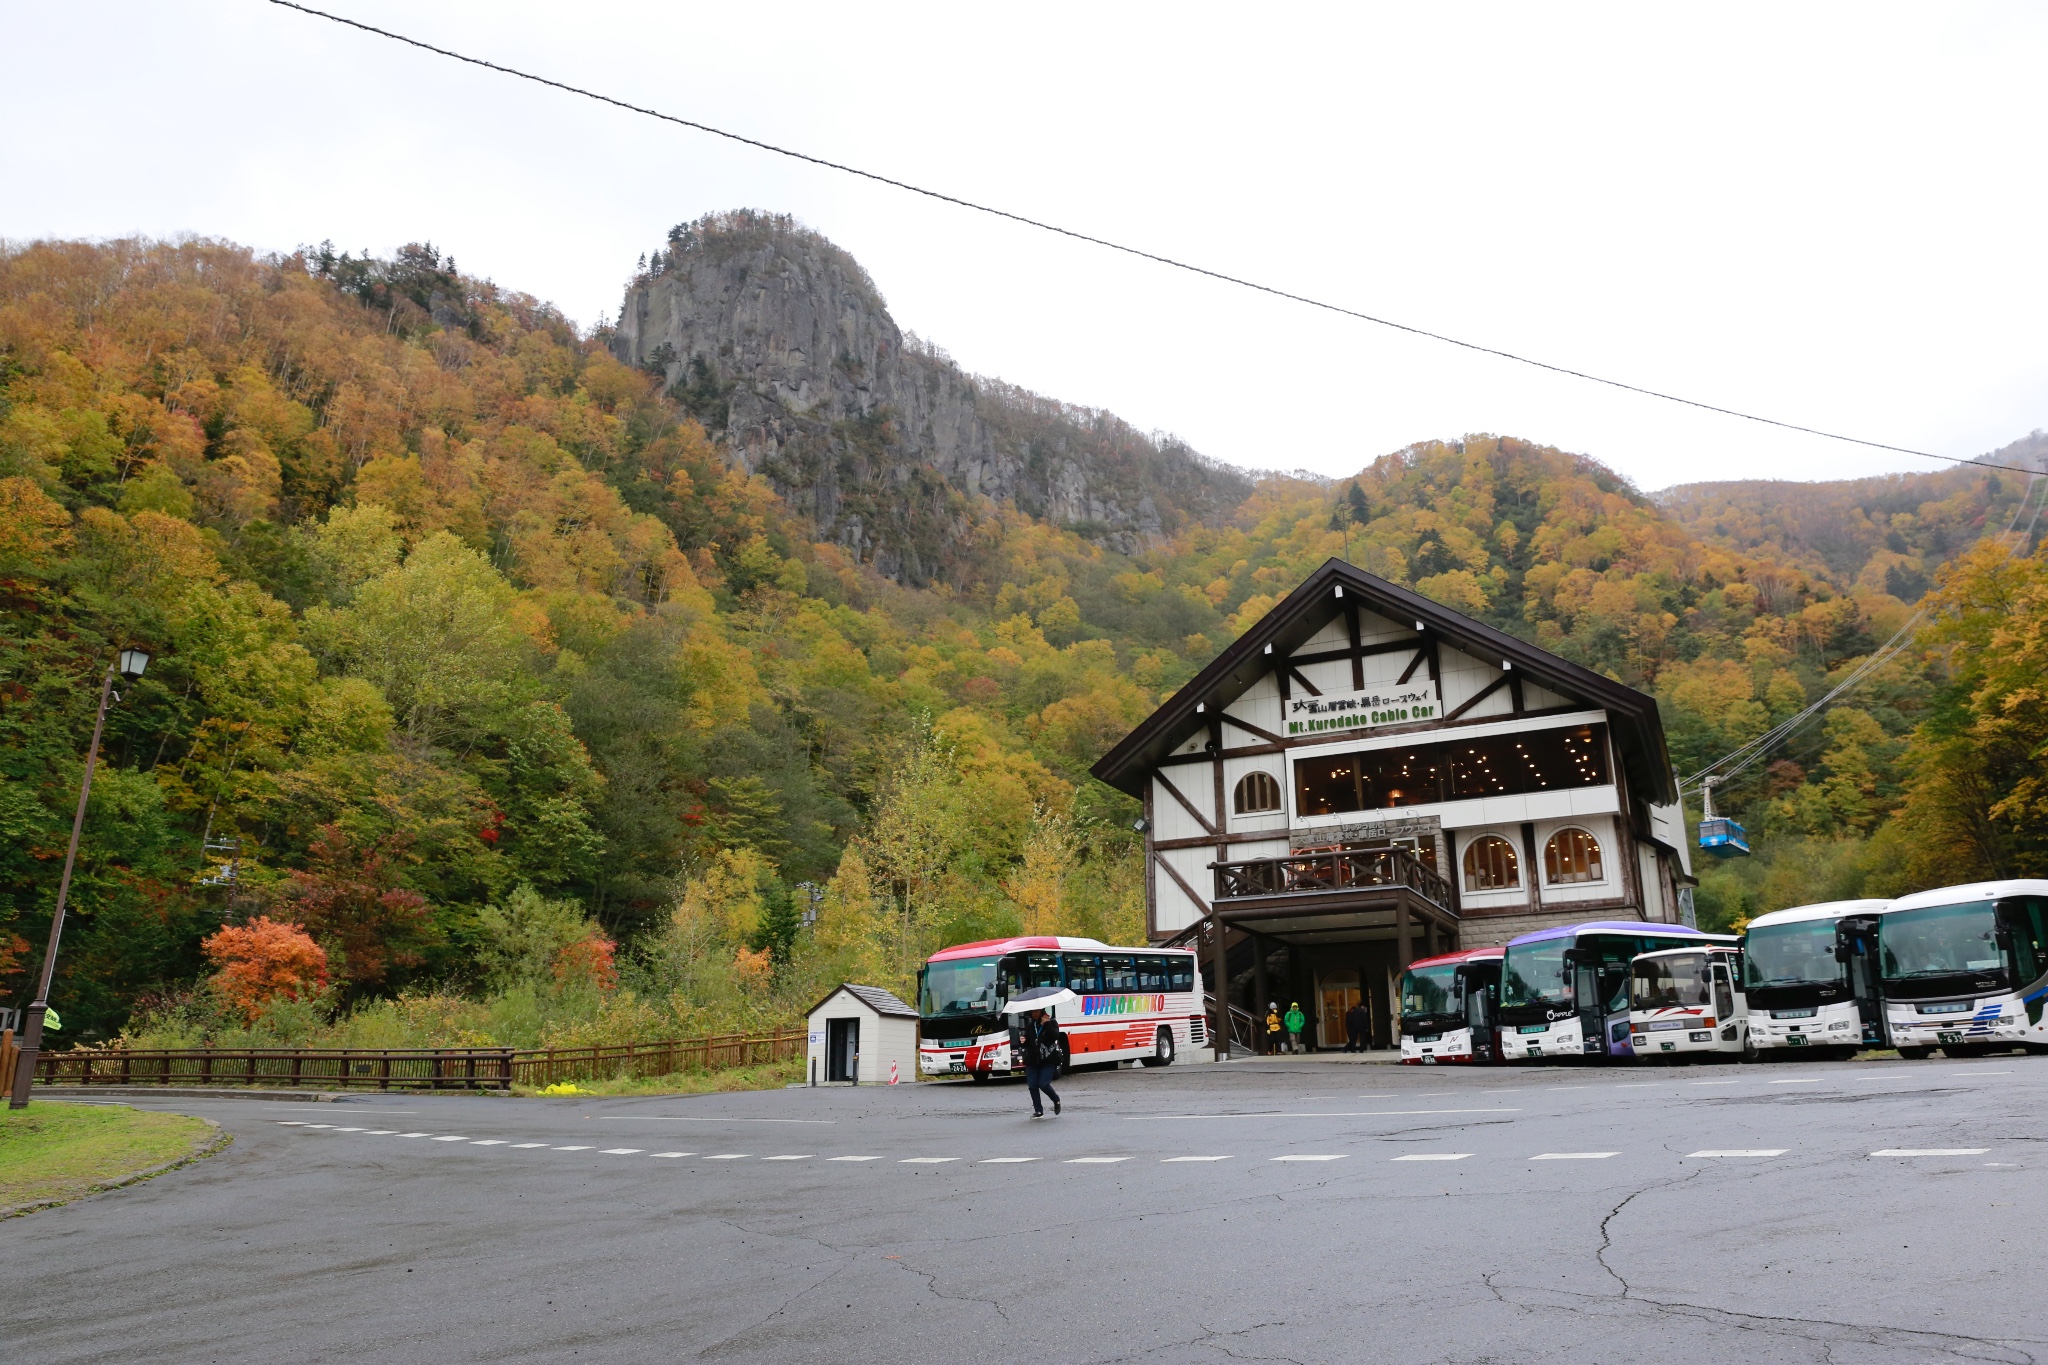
point(262, 961)
point(588, 959)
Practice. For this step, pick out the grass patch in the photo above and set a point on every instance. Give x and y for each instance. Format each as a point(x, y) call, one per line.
point(54, 1151)
point(768, 1076)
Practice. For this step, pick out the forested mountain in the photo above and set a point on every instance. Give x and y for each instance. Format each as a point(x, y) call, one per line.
point(495, 696)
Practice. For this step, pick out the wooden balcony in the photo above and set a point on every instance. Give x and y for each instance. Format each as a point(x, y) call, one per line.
point(1326, 878)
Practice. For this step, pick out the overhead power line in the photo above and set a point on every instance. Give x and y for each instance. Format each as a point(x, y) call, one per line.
point(1138, 252)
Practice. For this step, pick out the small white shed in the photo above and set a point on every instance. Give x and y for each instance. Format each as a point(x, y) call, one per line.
point(862, 1035)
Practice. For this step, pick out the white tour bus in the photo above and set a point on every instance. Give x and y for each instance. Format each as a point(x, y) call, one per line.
point(1965, 969)
point(1564, 991)
point(1687, 1002)
point(1810, 973)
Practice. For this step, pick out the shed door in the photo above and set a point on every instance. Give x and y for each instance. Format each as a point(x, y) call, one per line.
point(842, 1048)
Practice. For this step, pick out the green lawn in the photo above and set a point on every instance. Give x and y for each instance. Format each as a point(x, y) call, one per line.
point(55, 1151)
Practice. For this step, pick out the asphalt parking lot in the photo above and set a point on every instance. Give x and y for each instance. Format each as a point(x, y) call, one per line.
point(1270, 1210)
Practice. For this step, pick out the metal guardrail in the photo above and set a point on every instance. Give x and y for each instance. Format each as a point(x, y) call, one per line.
point(411, 1069)
point(1302, 873)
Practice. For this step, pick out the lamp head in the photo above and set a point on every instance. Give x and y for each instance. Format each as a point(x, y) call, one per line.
point(133, 661)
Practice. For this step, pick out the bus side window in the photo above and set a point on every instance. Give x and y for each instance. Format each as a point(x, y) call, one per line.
point(1041, 969)
point(1119, 973)
point(2026, 919)
point(1180, 971)
point(1151, 973)
point(1083, 974)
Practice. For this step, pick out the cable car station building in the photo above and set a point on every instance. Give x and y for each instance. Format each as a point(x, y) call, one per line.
point(1366, 777)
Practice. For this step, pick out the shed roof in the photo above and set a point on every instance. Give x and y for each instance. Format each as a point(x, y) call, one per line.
point(1314, 604)
point(874, 997)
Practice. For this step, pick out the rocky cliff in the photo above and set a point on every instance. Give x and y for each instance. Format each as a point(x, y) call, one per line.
point(782, 345)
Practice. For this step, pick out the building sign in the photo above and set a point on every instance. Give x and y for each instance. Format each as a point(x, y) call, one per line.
point(1421, 828)
point(1338, 712)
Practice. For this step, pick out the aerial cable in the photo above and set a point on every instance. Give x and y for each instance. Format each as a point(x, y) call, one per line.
point(1745, 756)
point(1139, 252)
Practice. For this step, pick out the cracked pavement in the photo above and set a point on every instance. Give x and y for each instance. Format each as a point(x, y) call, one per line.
point(320, 1245)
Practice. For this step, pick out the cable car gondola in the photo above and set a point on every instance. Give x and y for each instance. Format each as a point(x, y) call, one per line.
point(1719, 836)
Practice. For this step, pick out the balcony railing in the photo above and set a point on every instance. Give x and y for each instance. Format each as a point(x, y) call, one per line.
point(1307, 873)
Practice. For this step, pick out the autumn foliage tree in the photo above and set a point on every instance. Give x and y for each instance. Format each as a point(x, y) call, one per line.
point(352, 895)
point(263, 961)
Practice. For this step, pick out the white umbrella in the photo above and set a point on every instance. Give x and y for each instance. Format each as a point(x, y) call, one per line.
point(1039, 998)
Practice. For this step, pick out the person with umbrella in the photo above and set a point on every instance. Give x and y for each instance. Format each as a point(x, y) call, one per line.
point(1038, 1041)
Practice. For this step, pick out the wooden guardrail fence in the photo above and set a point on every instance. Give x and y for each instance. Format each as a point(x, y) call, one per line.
point(497, 1068)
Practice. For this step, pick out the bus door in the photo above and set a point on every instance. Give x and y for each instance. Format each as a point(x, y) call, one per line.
point(1600, 995)
point(1856, 950)
point(1479, 1008)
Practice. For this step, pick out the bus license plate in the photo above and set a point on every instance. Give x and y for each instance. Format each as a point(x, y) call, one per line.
point(959, 1067)
point(1948, 1037)
point(1795, 1040)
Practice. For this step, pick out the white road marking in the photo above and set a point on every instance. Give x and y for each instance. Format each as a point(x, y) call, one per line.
point(660, 1154)
point(1572, 1156)
point(291, 1123)
point(452, 1137)
point(1171, 1159)
point(415, 1134)
point(805, 1157)
point(1006, 1160)
point(1318, 1114)
point(1931, 1151)
point(728, 1156)
point(622, 1151)
point(1332, 1156)
point(853, 1158)
point(348, 1130)
point(1973, 1071)
point(1739, 1151)
point(1095, 1160)
point(1434, 1156)
point(1807, 1080)
point(316, 1125)
point(1636, 1085)
point(572, 1149)
point(1715, 1082)
point(381, 1132)
point(488, 1142)
point(926, 1160)
point(705, 1118)
point(517, 1146)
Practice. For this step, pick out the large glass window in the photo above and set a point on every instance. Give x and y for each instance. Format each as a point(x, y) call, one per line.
point(1431, 990)
point(1572, 855)
point(1151, 973)
point(1453, 770)
point(1798, 954)
point(1180, 969)
point(965, 985)
point(1939, 940)
point(1119, 973)
point(1084, 974)
point(1491, 864)
point(1665, 983)
point(1534, 974)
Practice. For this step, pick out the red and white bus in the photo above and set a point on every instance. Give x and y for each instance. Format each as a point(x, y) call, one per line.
point(1136, 1004)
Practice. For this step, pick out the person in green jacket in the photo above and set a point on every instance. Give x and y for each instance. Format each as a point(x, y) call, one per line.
point(1295, 1021)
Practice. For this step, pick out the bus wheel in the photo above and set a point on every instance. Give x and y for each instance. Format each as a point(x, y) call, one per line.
point(1162, 1049)
point(1066, 1061)
point(1916, 1054)
point(1750, 1051)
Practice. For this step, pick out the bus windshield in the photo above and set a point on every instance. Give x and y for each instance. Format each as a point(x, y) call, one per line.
point(964, 985)
point(1662, 983)
point(1801, 954)
point(1535, 974)
point(1431, 990)
point(1940, 940)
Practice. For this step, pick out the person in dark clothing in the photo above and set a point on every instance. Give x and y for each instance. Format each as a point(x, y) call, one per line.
point(1357, 1026)
point(1040, 1045)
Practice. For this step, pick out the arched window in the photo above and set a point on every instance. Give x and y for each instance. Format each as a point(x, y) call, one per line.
point(1491, 864)
point(1572, 855)
point(1257, 792)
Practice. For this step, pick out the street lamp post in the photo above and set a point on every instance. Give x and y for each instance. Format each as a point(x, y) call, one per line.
point(130, 665)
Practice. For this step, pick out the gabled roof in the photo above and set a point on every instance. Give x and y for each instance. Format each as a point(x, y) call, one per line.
point(874, 997)
point(1298, 617)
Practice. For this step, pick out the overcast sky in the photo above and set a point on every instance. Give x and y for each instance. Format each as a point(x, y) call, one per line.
point(1830, 214)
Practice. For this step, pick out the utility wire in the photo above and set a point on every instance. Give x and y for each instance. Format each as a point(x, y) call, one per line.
point(1138, 252)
